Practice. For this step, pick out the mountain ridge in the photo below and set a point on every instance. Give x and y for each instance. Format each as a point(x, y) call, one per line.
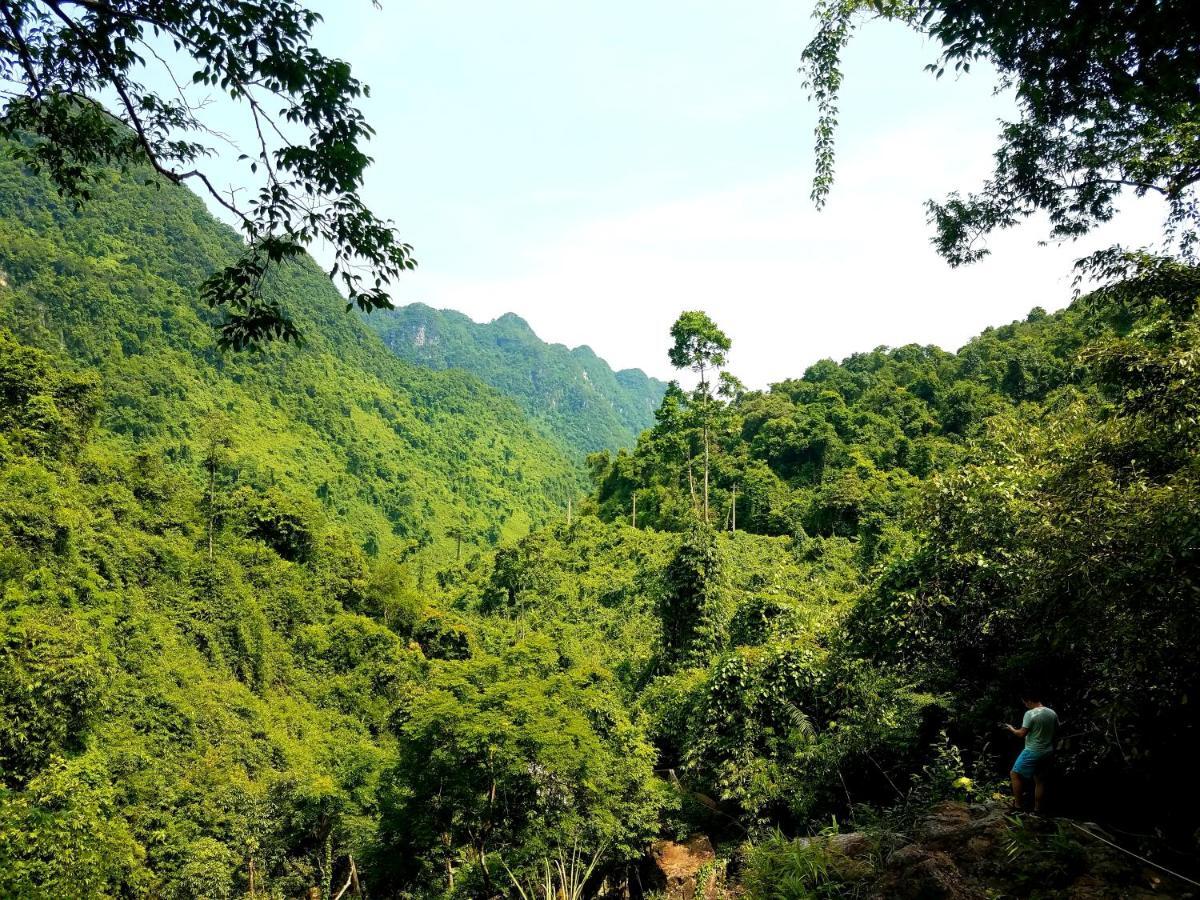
point(573, 391)
point(114, 288)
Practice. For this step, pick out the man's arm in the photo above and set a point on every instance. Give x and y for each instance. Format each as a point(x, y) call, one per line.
point(1019, 732)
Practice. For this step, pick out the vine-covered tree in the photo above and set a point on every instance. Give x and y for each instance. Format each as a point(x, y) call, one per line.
point(1108, 94)
point(688, 605)
point(77, 89)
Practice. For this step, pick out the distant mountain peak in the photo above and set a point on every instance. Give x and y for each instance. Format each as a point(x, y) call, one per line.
point(573, 392)
point(511, 318)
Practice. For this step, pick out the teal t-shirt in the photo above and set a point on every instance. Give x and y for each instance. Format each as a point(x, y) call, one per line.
point(1041, 722)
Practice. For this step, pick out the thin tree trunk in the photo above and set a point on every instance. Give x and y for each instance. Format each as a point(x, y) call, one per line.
point(328, 863)
point(692, 486)
point(705, 414)
point(351, 880)
point(212, 490)
point(635, 509)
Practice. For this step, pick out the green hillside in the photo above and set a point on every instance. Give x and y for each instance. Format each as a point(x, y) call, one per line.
point(842, 449)
point(395, 452)
point(201, 553)
point(297, 604)
point(283, 619)
point(574, 392)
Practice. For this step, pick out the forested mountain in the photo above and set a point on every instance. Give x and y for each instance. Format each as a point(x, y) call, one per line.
point(285, 620)
point(398, 454)
point(203, 553)
point(840, 450)
point(922, 538)
point(1020, 513)
point(574, 392)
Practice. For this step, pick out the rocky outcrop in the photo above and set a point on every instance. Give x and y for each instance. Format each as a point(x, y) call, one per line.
point(953, 851)
point(962, 851)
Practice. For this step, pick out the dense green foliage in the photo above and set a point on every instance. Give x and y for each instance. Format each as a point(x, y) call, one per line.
point(287, 617)
point(1021, 512)
point(1065, 553)
point(572, 392)
point(398, 453)
point(213, 568)
point(1060, 547)
point(63, 62)
point(842, 449)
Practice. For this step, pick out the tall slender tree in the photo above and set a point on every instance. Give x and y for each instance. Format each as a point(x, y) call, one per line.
point(217, 444)
point(701, 346)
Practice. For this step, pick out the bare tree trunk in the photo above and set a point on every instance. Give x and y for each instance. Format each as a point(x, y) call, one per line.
point(635, 509)
point(705, 414)
point(692, 486)
point(734, 508)
point(447, 842)
point(351, 881)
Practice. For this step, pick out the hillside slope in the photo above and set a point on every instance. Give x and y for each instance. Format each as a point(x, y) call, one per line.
point(207, 560)
point(578, 396)
point(842, 449)
point(245, 639)
point(396, 452)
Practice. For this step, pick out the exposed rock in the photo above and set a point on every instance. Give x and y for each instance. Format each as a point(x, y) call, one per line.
point(1093, 887)
point(955, 824)
point(679, 867)
point(915, 873)
point(963, 851)
point(855, 845)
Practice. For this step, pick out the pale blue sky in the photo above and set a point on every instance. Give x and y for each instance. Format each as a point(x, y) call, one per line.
point(598, 167)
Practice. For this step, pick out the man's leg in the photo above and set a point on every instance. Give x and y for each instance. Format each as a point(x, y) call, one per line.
point(1039, 791)
point(1018, 787)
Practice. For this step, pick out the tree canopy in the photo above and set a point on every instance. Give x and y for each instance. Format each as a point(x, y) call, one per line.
point(79, 95)
point(1109, 100)
point(698, 344)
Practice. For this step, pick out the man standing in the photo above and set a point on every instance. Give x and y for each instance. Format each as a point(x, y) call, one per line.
point(1037, 727)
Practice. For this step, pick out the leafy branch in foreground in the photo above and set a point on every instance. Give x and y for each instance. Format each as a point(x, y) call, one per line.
point(1109, 100)
point(75, 91)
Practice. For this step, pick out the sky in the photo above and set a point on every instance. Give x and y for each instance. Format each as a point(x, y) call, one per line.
point(597, 168)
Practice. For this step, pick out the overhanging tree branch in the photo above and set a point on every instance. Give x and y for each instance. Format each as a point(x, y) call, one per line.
point(72, 54)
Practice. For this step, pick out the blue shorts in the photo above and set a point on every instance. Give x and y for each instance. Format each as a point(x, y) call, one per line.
point(1033, 765)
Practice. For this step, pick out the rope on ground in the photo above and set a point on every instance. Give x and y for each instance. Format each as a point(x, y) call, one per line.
point(1148, 862)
